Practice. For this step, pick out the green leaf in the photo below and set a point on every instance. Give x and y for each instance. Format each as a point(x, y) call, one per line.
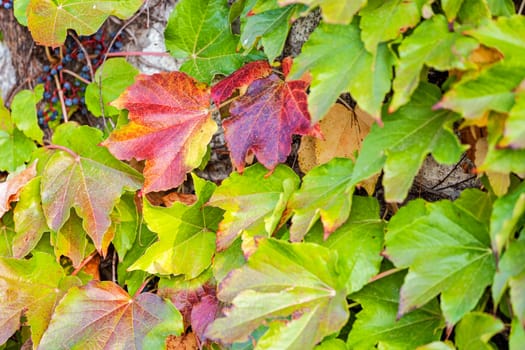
point(474, 12)
point(101, 315)
point(124, 224)
point(23, 111)
point(447, 251)
point(326, 193)
point(283, 279)
point(81, 181)
point(491, 90)
point(511, 273)
point(358, 243)
point(402, 144)
point(20, 11)
point(254, 203)
point(451, 8)
point(505, 216)
point(199, 31)
point(432, 45)
point(111, 79)
point(71, 240)
point(438, 345)
point(15, 150)
point(271, 27)
point(186, 235)
point(514, 135)
point(227, 260)
point(517, 335)
point(384, 20)
point(6, 123)
point(333, 11)
point(49, 21)
point(338, 62)
point(501, 7)
point(377, 324)
point(475, 330)
point(30, 223)
point(32, 288)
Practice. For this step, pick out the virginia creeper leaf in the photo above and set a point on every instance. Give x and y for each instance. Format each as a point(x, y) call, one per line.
point(240, 79)
point(447, 250)
point(333, 11)
point(263, 120)
point(124, 224)
point(199, 31)
point(433, 45)
point(377, 324)
point(15, 150)
point(514, 135)
point(186, 235)
point(23, 111)
point(475, 330)
point(101, 315)
point(384, 20)
point(227, 260)
point(254, 203)
point(366, 76)
point(71, 240)
point(91, 181)
point(505, 217)
point(32, 288)
point(170, 126)
point(517, 335)
point(11, 188)
point(511, 273)
point(111, 79)
point(402, 144)
point(20, 11)
point(474, 12)
point(438, 345)
point(331, 344)
point(501, 7)
point(283, 279)
point(326, 193)
point(49, 20)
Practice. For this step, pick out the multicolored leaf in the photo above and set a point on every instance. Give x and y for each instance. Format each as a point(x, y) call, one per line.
point(283, 280)
point(333, 11)
point(170, 127)
point(11, 188)
point(263, 120)
point(101, 315)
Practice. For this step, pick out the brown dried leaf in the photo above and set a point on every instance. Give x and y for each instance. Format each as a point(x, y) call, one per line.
point(499, 182)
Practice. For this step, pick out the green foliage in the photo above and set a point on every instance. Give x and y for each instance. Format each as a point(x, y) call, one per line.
point(270, 258)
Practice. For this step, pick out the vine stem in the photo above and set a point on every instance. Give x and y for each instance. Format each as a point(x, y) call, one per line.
point(384, 274)
point(136, 53)
point(84, 51)
point(61, 97)
point(73, 74)
point(84, 263)
point(65, 149)
point(142, 286)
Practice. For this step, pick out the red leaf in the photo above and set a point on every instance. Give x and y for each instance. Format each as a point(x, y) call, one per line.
point(239, 79)
point(170, 127)
point(10, 189)
point(264, 119)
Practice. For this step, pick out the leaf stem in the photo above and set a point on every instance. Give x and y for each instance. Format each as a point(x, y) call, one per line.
point(142, 286)
point(385, 274)
point(137, 53)
point(61, 97)
point(73, 74)
point(84, 51)
point(65, 149)
point(84, 263)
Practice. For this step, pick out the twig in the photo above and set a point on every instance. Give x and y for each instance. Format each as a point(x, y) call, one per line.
point(522, 5)
point(457, 183)
point(450, 172)
point(114, 266)
point(84, 51)
point(384, 274)
point(84, 263)
point(73, 74)
point(137, 53)
point(62, 148)
point(61, 97)
point(142, 286)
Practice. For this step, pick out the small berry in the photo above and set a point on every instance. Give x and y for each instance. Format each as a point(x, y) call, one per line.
point(46, 68)
point(54, 99)
point(67, 85)
point(80, 56)
point(53, 71)
point(47, 95)
point(68, 102)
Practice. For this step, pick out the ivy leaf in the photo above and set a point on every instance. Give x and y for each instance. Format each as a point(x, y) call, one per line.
point(447, 250)
point(511, 273)
point(15, 149)
point(384, 20)
point(111, 79)
point(32, 288)
point(102, 315)
point(475, 330)
point(366, 76)
point(71, 240)
point(404, 141)
point(124, 224)
point(254, 203)
point(501, 8)
point(186, 235)
point(333, 11)
point(264, 119)
point(283, 279)
point(517, 335)
point(433, 45)
point(378, 324)
point(240, 79)
point(170, 126)
point(199, 31)
point(80, 180)
point(514, 135)
point(49, 21)
point(11, 188)
point(326, 193)
point(23, 110)
point(505, 217)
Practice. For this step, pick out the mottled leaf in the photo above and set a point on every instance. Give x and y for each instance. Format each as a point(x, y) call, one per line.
point(263, 120)
point(199, 32)
point(333, 11)
point(101, 315)
point(254, 203)
point(447, 250)
point(87, 178)
point(170, 127)
point(339, 62)
point(11, 188)
point(378, 324)
point(475, 330)
point(402, 144)
point(283, 279)
point(32, 288)
point(186, 235)
point(49, 20)
point(23, 111)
